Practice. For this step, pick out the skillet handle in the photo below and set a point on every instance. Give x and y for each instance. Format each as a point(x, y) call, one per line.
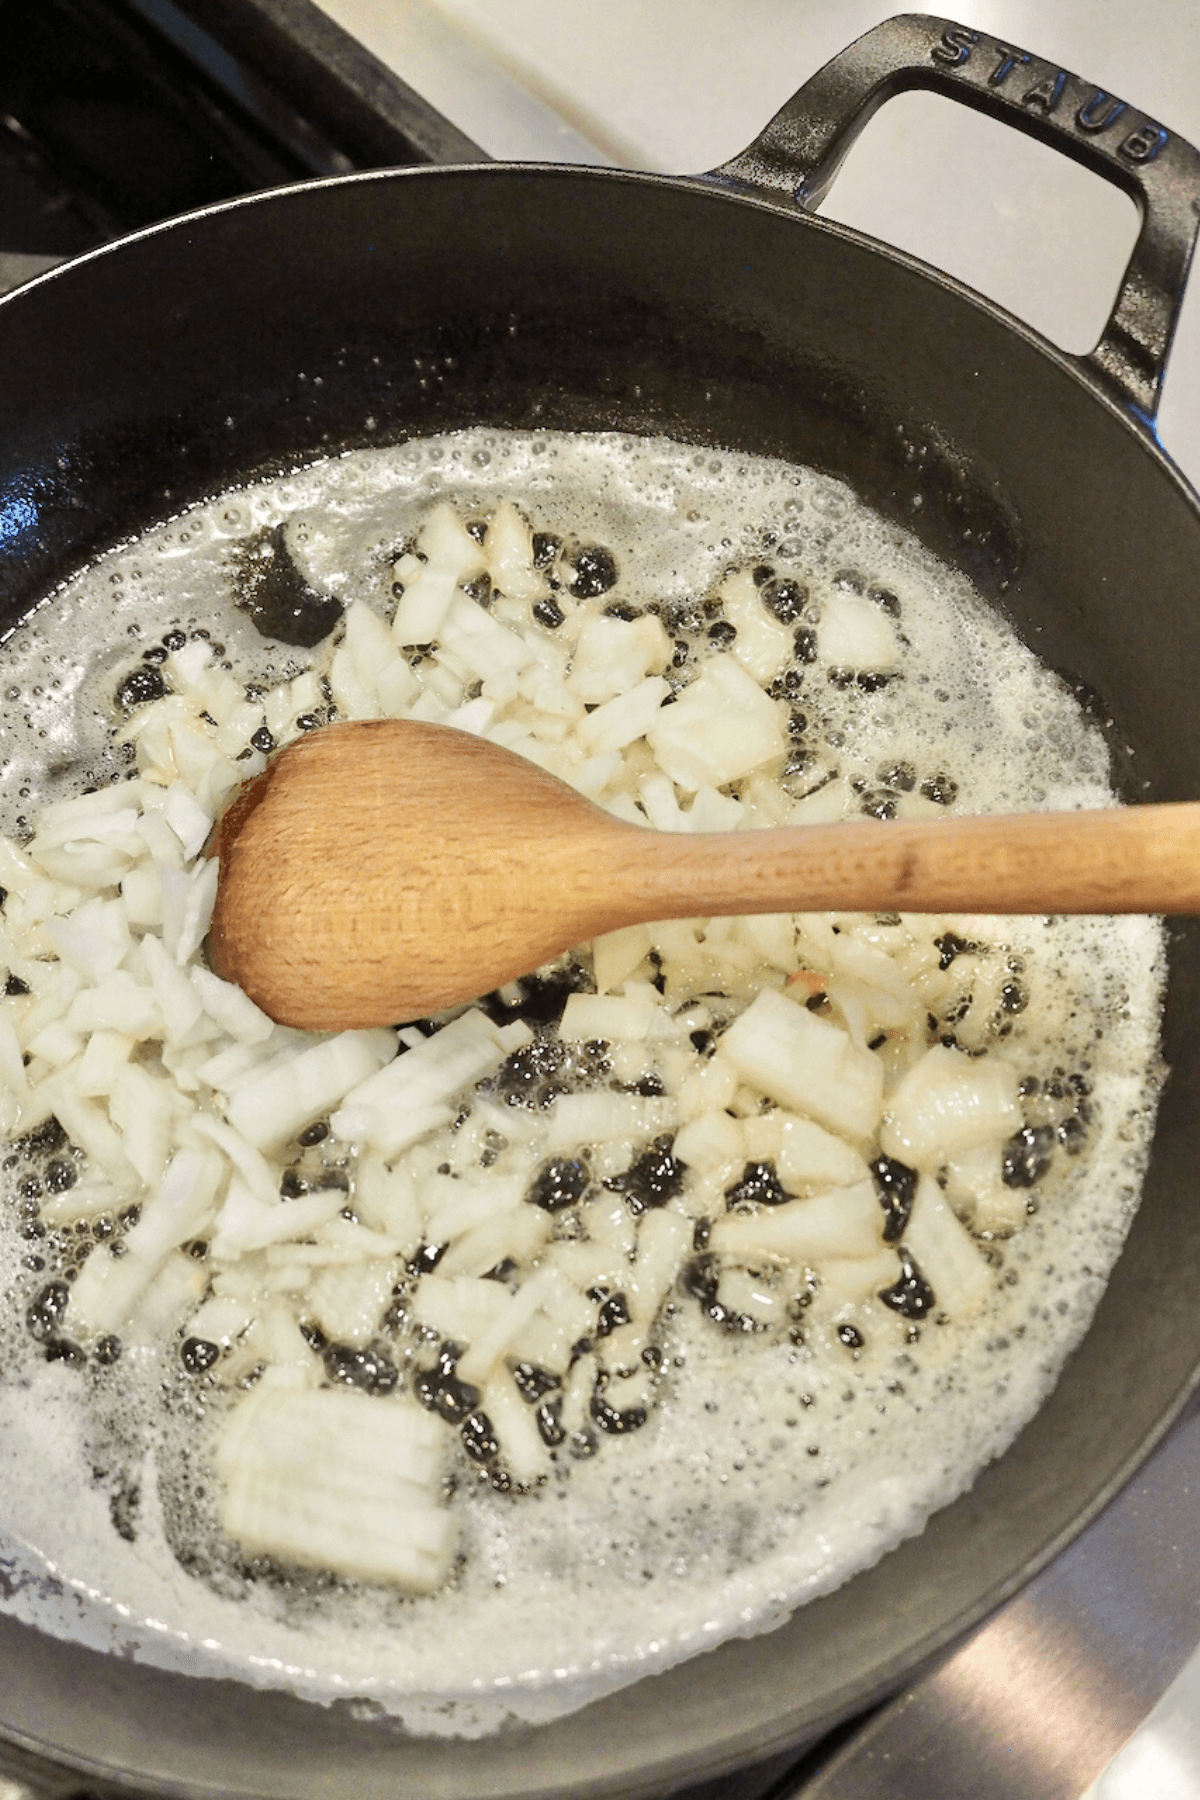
point(800, 151)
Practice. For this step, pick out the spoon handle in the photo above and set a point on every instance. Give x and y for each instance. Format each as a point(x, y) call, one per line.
point(1138, 859)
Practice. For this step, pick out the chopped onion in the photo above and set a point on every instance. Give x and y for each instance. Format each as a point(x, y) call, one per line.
point(807, 1064)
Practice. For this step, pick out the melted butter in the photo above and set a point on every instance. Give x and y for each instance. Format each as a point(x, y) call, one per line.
point(770, 1471)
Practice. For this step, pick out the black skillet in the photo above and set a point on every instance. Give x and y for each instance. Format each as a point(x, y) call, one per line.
point(716, 309)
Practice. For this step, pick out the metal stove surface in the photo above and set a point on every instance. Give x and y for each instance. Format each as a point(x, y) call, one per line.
point(1088, 1683)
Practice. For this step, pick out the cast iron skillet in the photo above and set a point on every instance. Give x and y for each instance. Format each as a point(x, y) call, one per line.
point(355, 311)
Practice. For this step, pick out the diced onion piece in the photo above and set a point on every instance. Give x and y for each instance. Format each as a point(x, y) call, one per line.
point(355, 697)
point(187, 665)
point(946, 1253)
point(847, 1278)
point(809, 1157)
point(664, 1238)
point(620, 1352)
point(66, 819)
point(348, 1301)
point(227, 1067)
point(586, 1263)
point(847, 1222)
point(238, 729)
point(771, 936)
point(707, 1088)
point(662, 808)
point(608, 1016)
point(146, 1110)
point(182, 1206)
point(577, 1391)
point(248, 1222)
point(86, 1200)
point(388, 1129)
point(397, 687)
point(160, 841)
point(720, 728)
point(612, 1224)
point(334, 1238)
point(276, 1339)
point(369, 645)
point(854, 633)
point(1002, 1211)
point(613, 655)
point(106, 1291)
point(453, 556)
point(948, 1103)
point(13, 1081)
point(544, 1291)
point(387, 1200)
point(461, 1307)
point(77, 838)
point(251, 1164)
point(474, 716)
point(56, 1043)
point(220, 1319)
point(617, 954)
point(178, 1001)
point(304, 692)
point(187, 819)
point(826, 801)
point(522, 1450)
point(713, 811)
point(976, 1189)
point(233, 1010)
point(709, 1141)
point(95, 940)
point(513, 1237)
point(453, 1205)
point(86, 1125)
point(807, 1064)
point(484, 644)
point(118, 1003)
point(198, 762)
point(625, 718)
point(167, 1302)
point(141, 894)
point(430, 1073)
point(763, 644)
point(597, 1117)
point(187, 907)
point(509, 547)
point(336, 1479)
point(271, 1107)
point(17, 873)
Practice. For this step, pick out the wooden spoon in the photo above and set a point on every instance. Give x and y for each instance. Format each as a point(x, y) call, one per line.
point(380, 871)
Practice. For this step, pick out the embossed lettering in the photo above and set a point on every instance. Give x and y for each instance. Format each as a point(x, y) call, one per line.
point(1009, 60)
point(1046, 93)
point(1144, 144)
point(956, 46)
point(1098, 113)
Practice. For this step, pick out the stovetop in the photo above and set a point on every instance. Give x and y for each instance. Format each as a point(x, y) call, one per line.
point(116, 113)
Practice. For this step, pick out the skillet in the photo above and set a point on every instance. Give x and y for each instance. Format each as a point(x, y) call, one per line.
point(266, 332)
